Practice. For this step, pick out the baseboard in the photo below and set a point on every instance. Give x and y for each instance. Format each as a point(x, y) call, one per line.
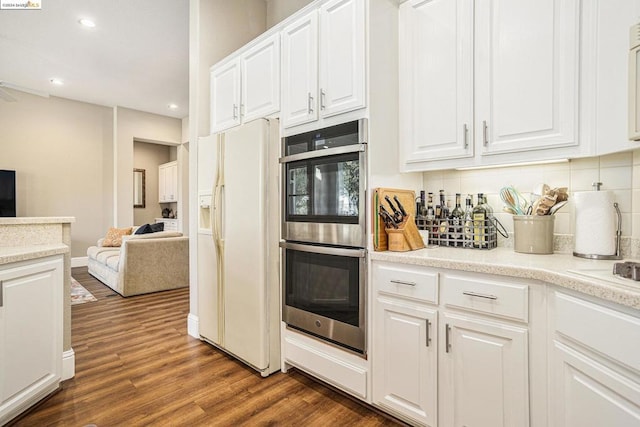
point(68, 364)
point(80, 261)
point(193, 328)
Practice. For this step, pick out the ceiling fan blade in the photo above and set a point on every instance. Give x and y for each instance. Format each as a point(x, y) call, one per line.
point(23, 89)
point(5, 96)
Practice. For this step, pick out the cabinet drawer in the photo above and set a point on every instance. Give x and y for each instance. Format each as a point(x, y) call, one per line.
point(607, 331)
point(410, 282)
point(486, 296)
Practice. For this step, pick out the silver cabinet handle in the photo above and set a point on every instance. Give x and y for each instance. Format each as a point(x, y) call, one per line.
point(475, 294)
point(322, 95)
point(447, 344)
point(310, 103)
point(1, 294)
point(402, 282)
point(465, 131)
point(428, 337)
point(235, 111)
point(485, 139)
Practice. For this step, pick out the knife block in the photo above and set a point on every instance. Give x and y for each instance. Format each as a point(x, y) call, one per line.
point(406, 237)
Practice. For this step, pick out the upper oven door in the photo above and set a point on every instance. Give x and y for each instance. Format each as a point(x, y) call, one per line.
point(324, 189)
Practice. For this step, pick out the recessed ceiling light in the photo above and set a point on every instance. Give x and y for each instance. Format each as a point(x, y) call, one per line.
point(172, 107)
point(56, 81)
point(87, 23)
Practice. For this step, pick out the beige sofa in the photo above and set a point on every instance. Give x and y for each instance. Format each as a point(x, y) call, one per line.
point(144, 263)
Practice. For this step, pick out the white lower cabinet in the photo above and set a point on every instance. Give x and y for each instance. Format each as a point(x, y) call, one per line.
point(458, 360)
point(31, 301)
point(405, 376)
point(595, 369)
point(483, 373)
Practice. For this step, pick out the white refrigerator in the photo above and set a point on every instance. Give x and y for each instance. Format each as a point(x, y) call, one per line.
point(238, 235)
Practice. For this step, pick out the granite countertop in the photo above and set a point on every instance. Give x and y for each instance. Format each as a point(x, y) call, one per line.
point(591, 277)
point(10, 254)
point(37, 220)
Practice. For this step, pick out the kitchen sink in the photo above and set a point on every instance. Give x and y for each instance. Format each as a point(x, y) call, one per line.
point(606, 275)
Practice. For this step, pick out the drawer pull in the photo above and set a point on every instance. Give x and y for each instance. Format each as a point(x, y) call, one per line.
point(474, 294)
point(402, 282)
point(428, 337)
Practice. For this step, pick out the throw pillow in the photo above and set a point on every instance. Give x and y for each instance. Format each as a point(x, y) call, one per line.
point(159, 226)
point(114, 236)
point(144, 229)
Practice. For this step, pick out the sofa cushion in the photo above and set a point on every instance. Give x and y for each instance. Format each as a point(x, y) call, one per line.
point(150, 228)
point(113, 261)
point(114, 236)
point(93, 251)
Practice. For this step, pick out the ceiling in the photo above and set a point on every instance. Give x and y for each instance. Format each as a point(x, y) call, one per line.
point(137, 55)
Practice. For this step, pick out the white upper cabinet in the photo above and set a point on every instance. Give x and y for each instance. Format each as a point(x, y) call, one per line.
point(323, 63)
point(300, 71)
point(485, 78)
point(247, 85)
point(526, 74)
point(225, 96)
point(342, 56)
point(168, 182)
point(436, 88)
point(260, 71)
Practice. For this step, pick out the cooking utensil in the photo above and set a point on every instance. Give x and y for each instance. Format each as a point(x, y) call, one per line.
point(389, 222)
point(397, 215)
point(402, 211)
point(557, 207)
point(514, 200)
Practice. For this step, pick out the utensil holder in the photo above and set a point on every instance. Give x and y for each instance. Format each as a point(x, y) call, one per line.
point(533, 234)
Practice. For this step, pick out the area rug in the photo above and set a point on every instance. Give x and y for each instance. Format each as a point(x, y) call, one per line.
point(79, 295)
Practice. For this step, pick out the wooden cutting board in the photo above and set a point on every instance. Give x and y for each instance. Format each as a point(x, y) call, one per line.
point(408, 200)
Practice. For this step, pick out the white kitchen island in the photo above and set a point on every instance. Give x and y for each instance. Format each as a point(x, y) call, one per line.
point(35, 312)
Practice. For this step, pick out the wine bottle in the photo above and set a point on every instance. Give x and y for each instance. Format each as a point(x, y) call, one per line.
point(442, 218)
point(431, 214)
point(456, 220)
point(468, 223)
point(479, 215)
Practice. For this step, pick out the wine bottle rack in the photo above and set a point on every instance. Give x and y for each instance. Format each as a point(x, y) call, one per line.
point(443, 233)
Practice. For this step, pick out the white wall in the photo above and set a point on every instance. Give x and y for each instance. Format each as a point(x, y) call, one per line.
point(62, 151)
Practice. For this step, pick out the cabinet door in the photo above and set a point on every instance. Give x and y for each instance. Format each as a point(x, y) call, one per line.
point(300, 71)
point(436, 80)
point(162, 184)
point(484, 373)
point(585, 393)
point(404, 371)
point(261, 79)
point(526, 83)
point(225, 96)
point(172, 179)
point(30, 333)
point(342, 57)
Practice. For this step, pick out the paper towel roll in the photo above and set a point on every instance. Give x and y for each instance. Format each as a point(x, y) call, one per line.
point(595, 223)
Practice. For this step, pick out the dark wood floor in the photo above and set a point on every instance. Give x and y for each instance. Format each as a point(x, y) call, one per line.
point(136, 366)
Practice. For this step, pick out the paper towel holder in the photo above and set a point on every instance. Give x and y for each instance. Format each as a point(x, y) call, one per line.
point(618, 236)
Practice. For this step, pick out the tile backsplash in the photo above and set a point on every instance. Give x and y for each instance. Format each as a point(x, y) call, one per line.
point(619, 173)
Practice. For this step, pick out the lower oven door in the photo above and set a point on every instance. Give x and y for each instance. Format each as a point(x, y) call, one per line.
point(324, 292)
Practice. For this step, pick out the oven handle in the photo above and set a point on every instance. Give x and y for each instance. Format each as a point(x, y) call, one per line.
point(324, 153)
point(324, 250)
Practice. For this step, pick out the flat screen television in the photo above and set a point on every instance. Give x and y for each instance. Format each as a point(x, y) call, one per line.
point(7, 193)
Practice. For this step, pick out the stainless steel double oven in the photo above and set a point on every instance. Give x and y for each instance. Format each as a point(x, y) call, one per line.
point(324, 232)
